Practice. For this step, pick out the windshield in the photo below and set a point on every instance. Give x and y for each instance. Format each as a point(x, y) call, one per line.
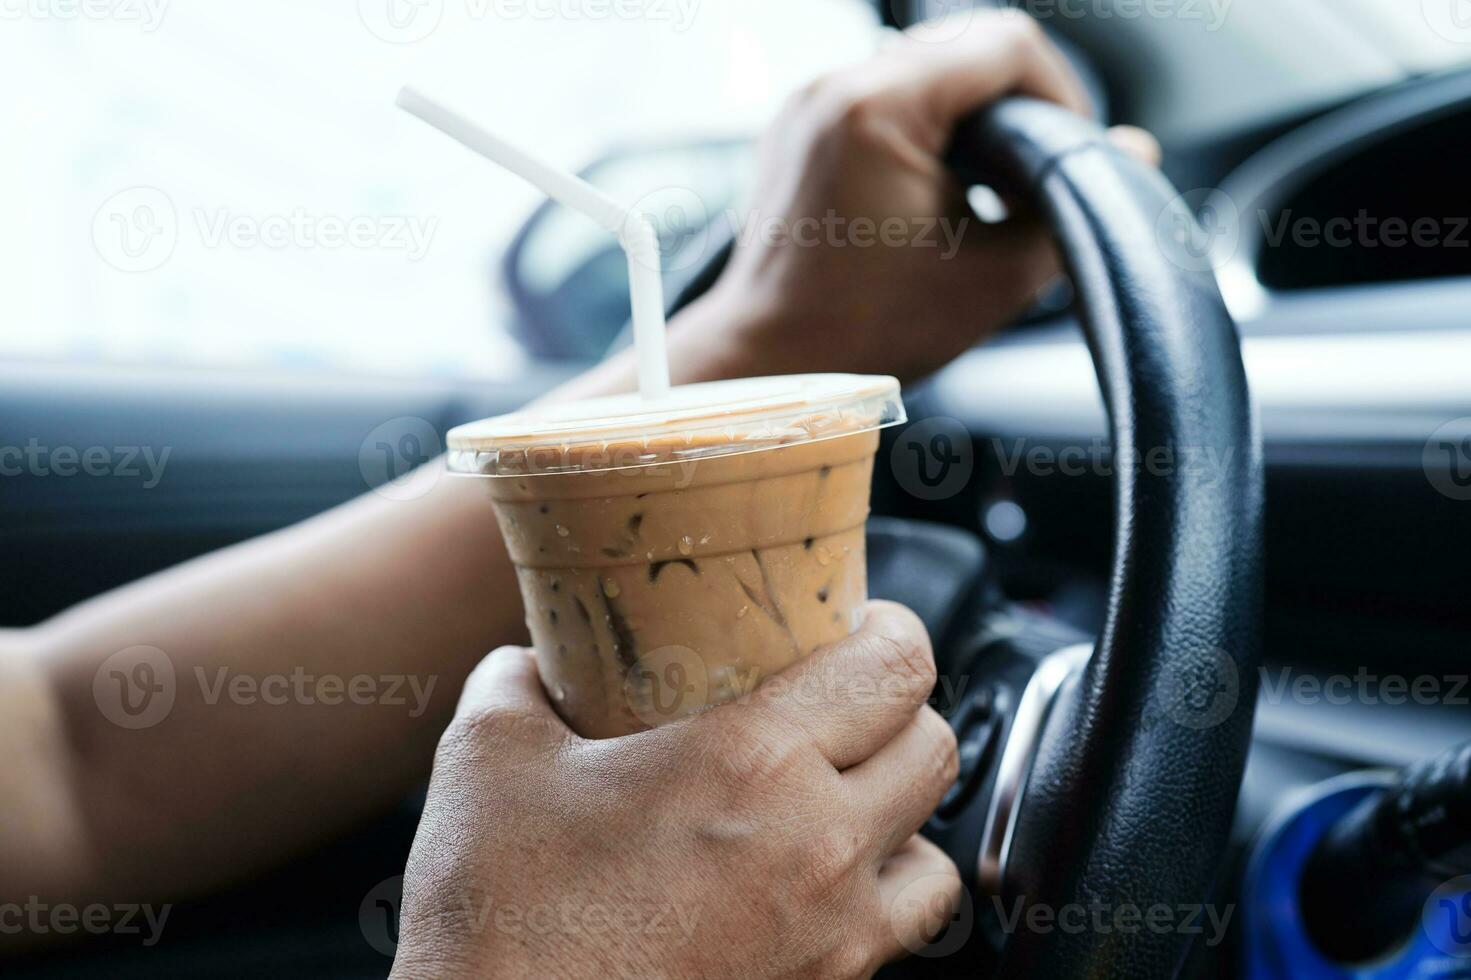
point(229, 184)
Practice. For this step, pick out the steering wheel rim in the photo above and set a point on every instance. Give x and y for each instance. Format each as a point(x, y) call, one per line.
point(1134, 777)
point(1132, 773)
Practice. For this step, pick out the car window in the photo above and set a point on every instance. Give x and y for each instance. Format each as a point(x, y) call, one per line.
point(229, 185)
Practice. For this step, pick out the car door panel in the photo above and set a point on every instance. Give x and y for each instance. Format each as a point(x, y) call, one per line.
point(107, 474)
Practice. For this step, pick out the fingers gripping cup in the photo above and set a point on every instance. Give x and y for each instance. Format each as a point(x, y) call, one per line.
point(672, 553)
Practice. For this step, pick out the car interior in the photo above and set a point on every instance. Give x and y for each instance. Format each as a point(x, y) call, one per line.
point(1285, 312)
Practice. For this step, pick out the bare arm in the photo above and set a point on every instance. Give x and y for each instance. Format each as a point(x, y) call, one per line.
point(311, 672)
point(94, 805)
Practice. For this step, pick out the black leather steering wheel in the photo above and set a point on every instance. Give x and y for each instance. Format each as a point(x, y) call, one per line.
point(1110, 780)
point(1135, 772)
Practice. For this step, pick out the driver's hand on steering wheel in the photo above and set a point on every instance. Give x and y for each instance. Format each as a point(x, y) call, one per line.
point(858, 251)
point(770, 837)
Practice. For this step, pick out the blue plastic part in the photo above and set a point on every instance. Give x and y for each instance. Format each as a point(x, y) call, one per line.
point(1276, 946)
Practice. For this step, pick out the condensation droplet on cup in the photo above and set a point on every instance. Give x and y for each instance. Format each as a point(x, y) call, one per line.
point(686, 545)
point(610, 588)
point(824, 557)
point(562, 532)
point(742, 612)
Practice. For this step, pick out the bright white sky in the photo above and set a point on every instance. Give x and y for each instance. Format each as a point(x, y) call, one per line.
point(235, 117)
point(186, 130)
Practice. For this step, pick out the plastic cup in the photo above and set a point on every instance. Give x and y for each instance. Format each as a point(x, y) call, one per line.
point(673, 553)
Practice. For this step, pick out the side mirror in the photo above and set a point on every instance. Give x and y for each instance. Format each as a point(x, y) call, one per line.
point(567, 281)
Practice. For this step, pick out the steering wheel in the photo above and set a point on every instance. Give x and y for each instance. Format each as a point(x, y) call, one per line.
point(1115, 780)
point(1103, 775)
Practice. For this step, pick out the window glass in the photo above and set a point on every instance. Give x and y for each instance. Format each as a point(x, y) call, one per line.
point(200, 183)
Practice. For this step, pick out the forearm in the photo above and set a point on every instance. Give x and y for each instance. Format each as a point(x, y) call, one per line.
point(268, 747)
point(310, 673)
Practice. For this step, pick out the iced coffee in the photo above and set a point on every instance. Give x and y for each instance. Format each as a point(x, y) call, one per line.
point(672, 554)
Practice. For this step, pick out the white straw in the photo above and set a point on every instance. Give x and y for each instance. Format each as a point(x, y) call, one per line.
point(634, 231)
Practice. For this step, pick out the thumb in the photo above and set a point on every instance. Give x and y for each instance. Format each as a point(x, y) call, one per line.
point(1138, 143)
point(506, 688)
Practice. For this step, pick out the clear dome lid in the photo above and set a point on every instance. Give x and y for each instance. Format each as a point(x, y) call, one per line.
point(698, 421)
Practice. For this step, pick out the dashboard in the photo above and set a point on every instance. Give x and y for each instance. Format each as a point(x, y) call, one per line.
point(1357, 357)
